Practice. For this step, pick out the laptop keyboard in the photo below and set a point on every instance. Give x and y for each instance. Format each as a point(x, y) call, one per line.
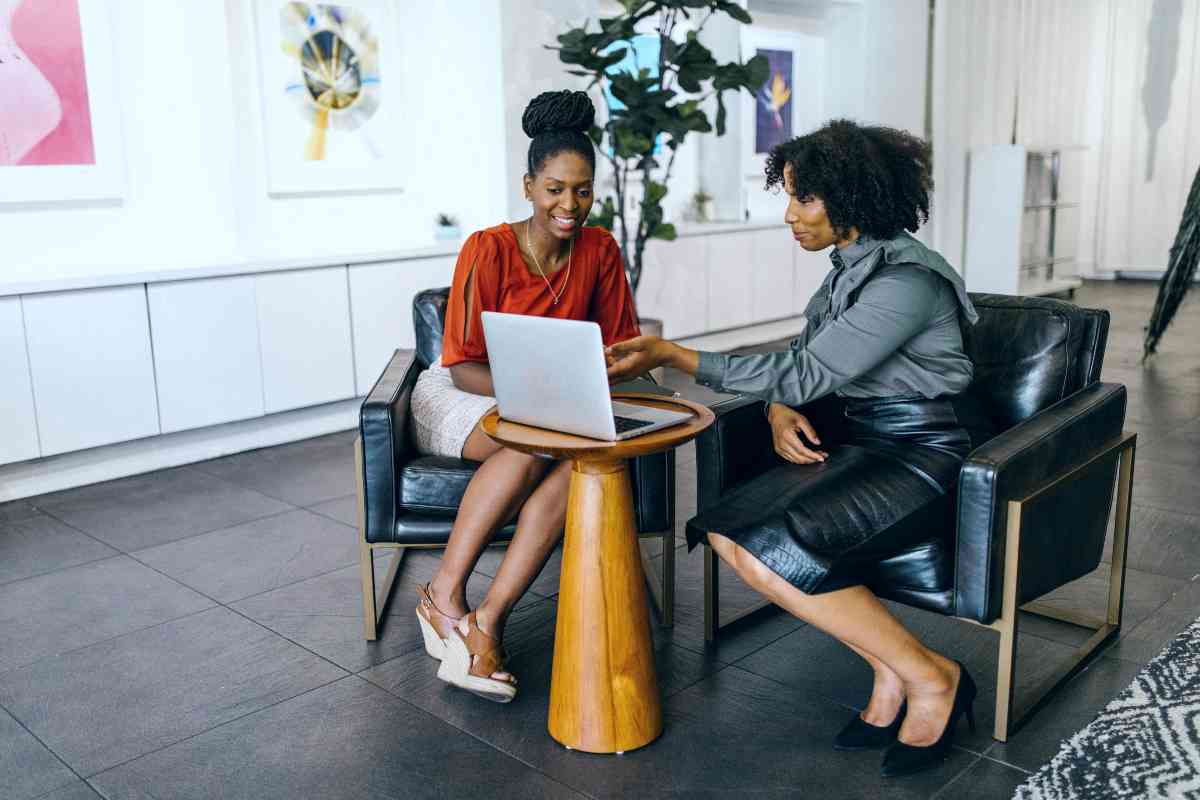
point(628, 424)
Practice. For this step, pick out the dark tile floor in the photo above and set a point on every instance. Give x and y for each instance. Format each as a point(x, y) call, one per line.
point(195, 633)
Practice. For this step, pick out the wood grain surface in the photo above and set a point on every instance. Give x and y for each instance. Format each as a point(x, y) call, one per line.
point(529, 439)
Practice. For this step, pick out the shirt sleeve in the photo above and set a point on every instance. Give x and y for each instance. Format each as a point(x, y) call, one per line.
point(612, 301)
point(894, 306)
point(477, 272)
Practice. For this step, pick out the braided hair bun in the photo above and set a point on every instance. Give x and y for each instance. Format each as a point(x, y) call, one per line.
point(557, 122)
point(558, 111)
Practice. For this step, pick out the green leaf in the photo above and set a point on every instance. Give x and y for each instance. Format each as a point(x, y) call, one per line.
point(720, 115)
point(665, 231)
point(758, 69)
point(596, 133)
point(655, 192)
point(737, 12)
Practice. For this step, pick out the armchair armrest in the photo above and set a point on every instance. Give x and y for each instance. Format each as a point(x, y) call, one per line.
point(734, 449)
point(1064, 538)
point(383, 426)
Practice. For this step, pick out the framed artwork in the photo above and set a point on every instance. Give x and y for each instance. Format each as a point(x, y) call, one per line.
point(60, 141)
point(788, 104)
point(327, 74)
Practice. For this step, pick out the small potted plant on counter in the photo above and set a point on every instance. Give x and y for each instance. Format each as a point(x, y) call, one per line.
point(446, 228)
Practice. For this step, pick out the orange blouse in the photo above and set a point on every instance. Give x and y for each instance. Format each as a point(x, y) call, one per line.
point(596, 290)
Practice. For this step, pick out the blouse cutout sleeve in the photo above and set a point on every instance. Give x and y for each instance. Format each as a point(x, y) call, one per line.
point(612, 301)
point(476, 289)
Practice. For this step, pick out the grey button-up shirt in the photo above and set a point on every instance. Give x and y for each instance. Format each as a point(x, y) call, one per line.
point(885, 323)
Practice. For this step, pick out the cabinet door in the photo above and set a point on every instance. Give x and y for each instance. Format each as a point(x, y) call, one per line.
point(731, 275)
point(93, 376)
point(18, 424)
point(381, 297)
point(675, 285)
point(772, 284)
point(304, 333)
point(206, 356)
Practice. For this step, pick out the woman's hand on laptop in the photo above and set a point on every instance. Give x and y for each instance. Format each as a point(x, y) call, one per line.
point(634, 357)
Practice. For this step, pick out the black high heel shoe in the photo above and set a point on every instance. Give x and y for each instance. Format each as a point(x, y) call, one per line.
point(905, 759)
point(861, 735)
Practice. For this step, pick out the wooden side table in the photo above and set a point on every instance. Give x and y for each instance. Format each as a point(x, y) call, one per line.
point(603, 690)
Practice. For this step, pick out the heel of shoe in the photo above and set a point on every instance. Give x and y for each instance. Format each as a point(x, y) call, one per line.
point(435, 645)
point(456, 661)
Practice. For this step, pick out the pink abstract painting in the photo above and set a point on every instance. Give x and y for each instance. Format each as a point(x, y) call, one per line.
point(42, 71)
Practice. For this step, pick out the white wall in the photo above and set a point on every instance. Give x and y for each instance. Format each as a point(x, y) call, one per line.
point(188, 81)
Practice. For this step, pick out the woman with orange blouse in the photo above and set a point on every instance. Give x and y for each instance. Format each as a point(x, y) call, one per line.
point(549, 265)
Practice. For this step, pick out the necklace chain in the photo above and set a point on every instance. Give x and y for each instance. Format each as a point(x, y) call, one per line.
point(538, 264)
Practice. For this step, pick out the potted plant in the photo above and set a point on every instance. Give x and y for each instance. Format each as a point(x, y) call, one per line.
point(701, 208)
point(446, 228)
point(656, 108)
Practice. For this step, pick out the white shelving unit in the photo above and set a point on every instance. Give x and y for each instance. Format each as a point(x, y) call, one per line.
point(1022, 220)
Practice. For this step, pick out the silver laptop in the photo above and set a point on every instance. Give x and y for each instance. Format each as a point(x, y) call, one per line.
point(551, 373)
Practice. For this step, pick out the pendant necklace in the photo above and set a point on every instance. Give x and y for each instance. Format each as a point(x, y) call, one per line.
point(538, 264)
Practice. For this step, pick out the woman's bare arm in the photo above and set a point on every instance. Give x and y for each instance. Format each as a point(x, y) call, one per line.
point(473, 377)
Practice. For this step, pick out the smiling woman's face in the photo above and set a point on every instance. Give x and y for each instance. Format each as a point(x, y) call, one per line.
point(806, 217)
point(561, 194)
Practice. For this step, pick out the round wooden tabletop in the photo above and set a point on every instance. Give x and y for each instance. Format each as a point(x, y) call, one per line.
point(555, 444)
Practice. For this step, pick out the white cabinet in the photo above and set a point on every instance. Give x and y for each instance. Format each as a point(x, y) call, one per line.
point(771, 279)
point(675, 285)
point(1022, 220)
point(730, 280)
point(18, 424)
point(381, 297)
point(93, 376)
point(206, 355)
point(304, 334)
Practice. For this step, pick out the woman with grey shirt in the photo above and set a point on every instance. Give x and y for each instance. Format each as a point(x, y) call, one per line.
point(883, 346)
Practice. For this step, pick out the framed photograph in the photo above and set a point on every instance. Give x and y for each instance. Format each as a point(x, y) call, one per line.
point(788, 104)
point(60, 141)
point(329, 100)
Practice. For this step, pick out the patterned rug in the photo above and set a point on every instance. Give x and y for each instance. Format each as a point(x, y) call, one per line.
point(1144, 744)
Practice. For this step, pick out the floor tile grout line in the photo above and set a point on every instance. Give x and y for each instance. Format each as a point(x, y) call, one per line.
point(172, 541)
point(49, 749)
point(478, 738)
point(6, 584)
point(1008, 764)
point(191, 736)
point(250, 619)
point(945, 786)
point(7, 671)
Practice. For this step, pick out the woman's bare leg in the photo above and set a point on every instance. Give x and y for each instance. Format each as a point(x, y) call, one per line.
point(855, 616)
point(539, 529)
point(497, 490)
point(887, 692)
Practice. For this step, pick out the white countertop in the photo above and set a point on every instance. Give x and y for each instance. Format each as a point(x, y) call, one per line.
point(86, 276)
point(95, 277)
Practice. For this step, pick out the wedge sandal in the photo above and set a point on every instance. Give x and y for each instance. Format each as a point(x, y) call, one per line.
point(436, 626)
point(470, 662)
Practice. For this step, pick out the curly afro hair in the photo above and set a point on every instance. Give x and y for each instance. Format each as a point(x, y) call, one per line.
point(871, 178)
point(558, 121)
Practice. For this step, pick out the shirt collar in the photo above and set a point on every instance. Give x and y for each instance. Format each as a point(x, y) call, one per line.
point(856, 251)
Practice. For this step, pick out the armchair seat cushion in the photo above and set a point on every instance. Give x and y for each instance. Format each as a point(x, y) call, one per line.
point(920, 575)
point(435, 485)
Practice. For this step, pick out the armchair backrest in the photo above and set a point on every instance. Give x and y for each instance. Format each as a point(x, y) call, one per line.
point(429, 321)
point(1031, 352)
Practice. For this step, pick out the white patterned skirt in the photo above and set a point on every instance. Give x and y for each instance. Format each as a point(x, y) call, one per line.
point(443, 415)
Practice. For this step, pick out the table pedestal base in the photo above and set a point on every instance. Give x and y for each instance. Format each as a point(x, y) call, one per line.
point(603, 691)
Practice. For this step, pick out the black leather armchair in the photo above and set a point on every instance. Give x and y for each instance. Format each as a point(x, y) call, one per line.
point(1032, 504)
point(408, 500)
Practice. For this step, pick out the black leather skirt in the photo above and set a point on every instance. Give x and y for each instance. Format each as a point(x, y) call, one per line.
point(887, 485)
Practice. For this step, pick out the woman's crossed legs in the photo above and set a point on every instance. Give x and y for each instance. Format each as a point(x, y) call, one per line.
point(507, 484)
